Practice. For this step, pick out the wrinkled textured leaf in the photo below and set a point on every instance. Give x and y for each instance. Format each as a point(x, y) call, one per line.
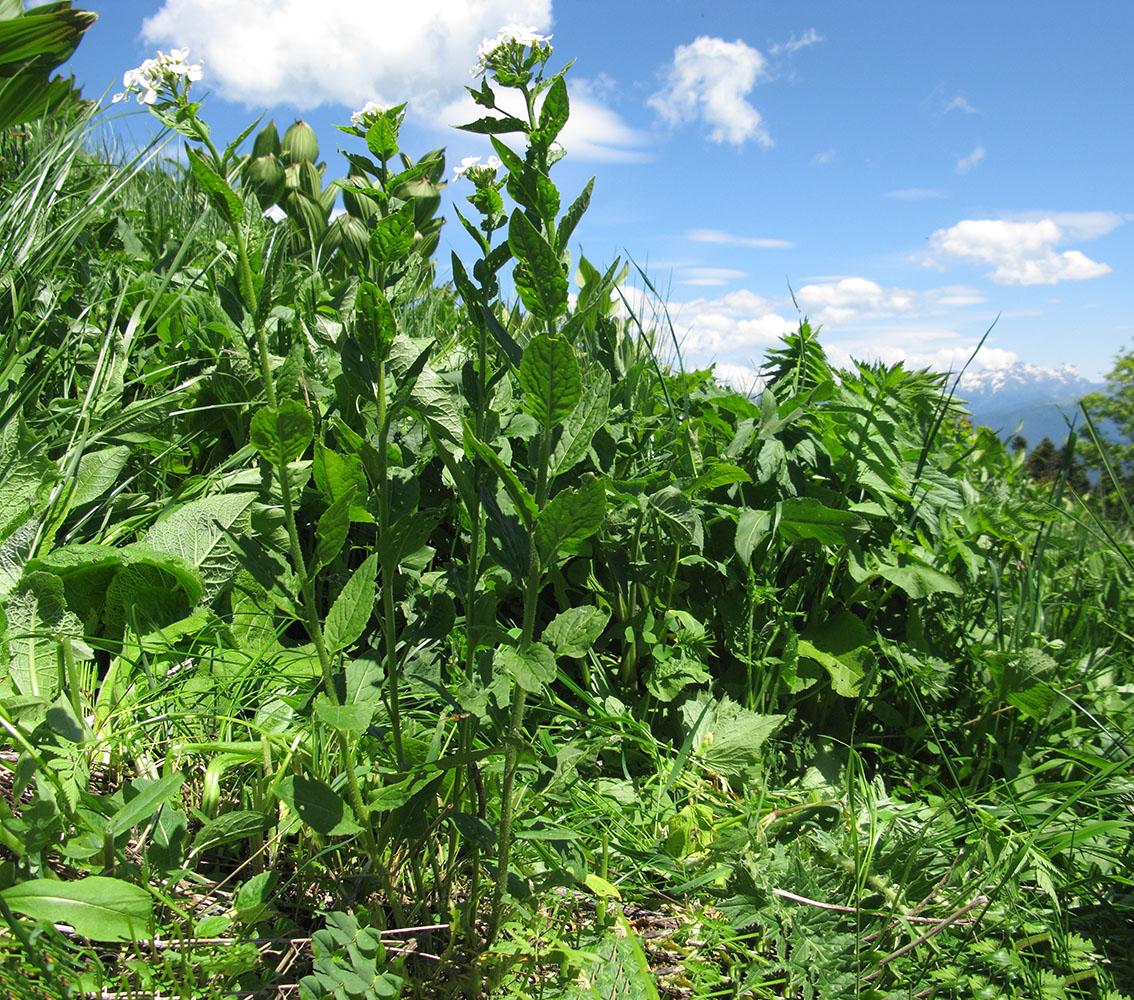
point(573, 632)
point(540, 279)
point(572, 515)
point(550, 378)
point(581, 424)
point(283, 434)
point(392, 237)
point(531, 669)
point(226, 201)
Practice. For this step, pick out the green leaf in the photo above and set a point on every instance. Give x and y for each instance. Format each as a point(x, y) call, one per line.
point(572, 515)
point(228, 828)
point(729, 737)
point(352, 718)
point(916, 578)
point(575, 631)
point(99, 908)
point(805, 517)
point(666, 678)
point(97, 472)
point(317, 804)
point(572, 216)
point(550, 378)
point(283, 434)
point(392, 237)
point(538, 275)
point(382, 138)
point(531, 669)
point(374, 323)
point(353, 607)
point(521, 497)
point(720, 474)
point(842, 647)
point(555, 111)
point(226, 201)
point(37, 617)
point(581, 425)
point(152, 794)
point(332, 530)
point(495, 126)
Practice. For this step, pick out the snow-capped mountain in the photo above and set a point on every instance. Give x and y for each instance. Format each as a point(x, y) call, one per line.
point(1031, 395)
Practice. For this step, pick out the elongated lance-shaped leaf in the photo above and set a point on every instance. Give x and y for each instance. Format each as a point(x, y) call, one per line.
point(332, 530)
point(98, 907)
point(572, 216)
point(521, 497)
point(581, 425)
point(539, 277)
point(495, 126)
point(226, 201)
point(374, 325)
point(550, 378)
point(352, 609)
point(555, 111)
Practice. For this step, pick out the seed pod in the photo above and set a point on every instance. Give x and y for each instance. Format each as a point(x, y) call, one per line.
point(265, 176)
point(267, 142)
point(299, 143)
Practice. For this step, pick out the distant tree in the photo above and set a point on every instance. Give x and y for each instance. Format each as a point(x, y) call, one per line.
point(1045, 464)
point(1112, 412)
point(1019, 443)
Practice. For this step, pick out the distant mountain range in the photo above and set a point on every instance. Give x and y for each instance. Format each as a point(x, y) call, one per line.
point(1028, 395)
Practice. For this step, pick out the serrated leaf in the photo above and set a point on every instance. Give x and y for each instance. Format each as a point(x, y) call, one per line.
point(392, 237)
point(572, 515)
point(531, 669)
point(282, 434)
point(226, 201)
point(581, 425)
point(99, 908)
point(352, 609)
point(317, 804)
point(495, 126)
point(550, 378)
point(917, 578)
point(575, 631)
point(538, 276)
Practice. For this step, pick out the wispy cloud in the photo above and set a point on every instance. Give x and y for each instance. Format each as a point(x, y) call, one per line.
point(709, 80)
point(917, 194)
point(958, 103)
point(1024, 252)
point(823, 158)
point(720, 236)
point(793, 44)
point(708, 275)
point(259, 56)
point(966, 163)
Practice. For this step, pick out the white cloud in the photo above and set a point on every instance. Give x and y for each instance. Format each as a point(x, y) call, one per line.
point(720, 236)
point(1023, 253)
point(708, 81)
point(966, 163)
point(709, 275)
point(266, 52)
point(823, 158)
point(736, 327)
point(793, 44)
point(743, 378)
point(845, 301)
point(917, 194)
point(593, 132)
point(958, 103)
point(919, 348)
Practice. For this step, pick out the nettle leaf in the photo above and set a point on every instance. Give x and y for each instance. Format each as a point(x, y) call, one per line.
point(540, 279)
point(99, 908)
point(571, 516)
point(283, 434)
point(729, 737)
point(575, 631)
point(581, 425)
point(226, 201)
point(392, 237)
point(531, 668)
point(550, 378)
point(352, 609)
point(317, 804)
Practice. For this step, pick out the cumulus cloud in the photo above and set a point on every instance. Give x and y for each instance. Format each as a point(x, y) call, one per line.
point(1024, 252)
point(720, 236)
point(966, 163)
point(708, 81)
point(939, 350)
point(843, 301)
point(735, 327)
point(266, 52)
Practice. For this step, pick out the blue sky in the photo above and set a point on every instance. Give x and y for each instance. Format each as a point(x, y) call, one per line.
point(909, 170)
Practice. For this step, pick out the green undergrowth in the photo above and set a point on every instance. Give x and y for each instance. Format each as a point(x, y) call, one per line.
point(369, 636)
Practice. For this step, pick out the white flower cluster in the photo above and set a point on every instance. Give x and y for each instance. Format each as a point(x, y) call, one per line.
point(518, 34)
point(472, 163)
point(364, 115)
point(156, 74)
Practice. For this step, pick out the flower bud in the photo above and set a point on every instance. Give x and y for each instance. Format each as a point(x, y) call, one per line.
point(267, 142)
point(299, 143)
point(265, 176)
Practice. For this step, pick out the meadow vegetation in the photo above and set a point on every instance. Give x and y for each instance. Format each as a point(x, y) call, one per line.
point(365, 635)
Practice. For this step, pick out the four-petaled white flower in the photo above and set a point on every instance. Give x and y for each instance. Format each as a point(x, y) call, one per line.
point(158, 74)
point(472, 163)
point(510, 34)
point(364, 115)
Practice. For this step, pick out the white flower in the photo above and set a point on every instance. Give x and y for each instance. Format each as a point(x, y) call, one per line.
point(472, 163)
point(518, 34)
point(361, 118)
point(158, 74)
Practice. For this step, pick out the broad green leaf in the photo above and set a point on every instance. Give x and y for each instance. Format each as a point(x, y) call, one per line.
point(432, 398)
point(728, 737)
point(227, 828)
point(575, 631)
point(392, 236)
point(805, 517)
point(374, 323)
point(353, 718)
point(540, 279)
point(916, 578)
point(352, 609)
point(99, 908)
point(317, 804)
point(550, 378)
point(37, 617)
point(199, 533)
point(572, 515)
point(152, 794)
point(283, 434)
point(555, 111)
point(601, 887)
point(666, 678)
point(842, 646)
point(751, 528)
point(226, 201)
point(97, 472)
point(678, 514)
point(531, 669)
point(581, 424)
point(720, 474)
point(331, 531)
point(382, 138)
point(336, 475)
